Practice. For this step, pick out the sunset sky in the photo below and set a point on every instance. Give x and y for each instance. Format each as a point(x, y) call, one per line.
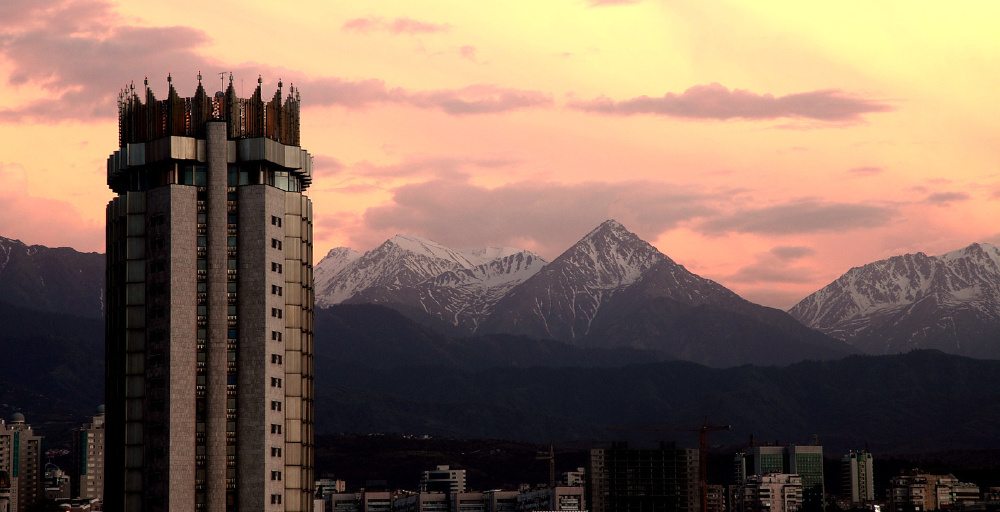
point(769, 146)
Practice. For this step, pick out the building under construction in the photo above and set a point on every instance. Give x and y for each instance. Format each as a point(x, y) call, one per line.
point(623, 479)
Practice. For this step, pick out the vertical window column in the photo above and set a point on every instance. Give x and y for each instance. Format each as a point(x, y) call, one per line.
point(201, 406)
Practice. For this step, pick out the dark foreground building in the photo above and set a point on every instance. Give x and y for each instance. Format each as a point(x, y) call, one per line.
point(209, 305)
point(623, 479)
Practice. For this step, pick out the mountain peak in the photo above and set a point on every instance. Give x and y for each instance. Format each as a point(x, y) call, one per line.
point(339, 251)
point(976, 250)
point(563, 298)
point(607, 227)
point(428, 248)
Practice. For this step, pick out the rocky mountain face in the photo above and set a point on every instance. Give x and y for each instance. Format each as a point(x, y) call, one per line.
point(561, 300)
point(949, 302)
point(59, 280)
point(450, 289)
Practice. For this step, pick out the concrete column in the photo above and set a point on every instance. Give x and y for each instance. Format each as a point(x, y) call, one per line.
point(215, 426)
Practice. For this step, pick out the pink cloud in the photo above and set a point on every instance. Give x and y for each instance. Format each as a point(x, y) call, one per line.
point(780, 265)
point(794, 252)
point(452, 168)
point(478, 99)
point(396, 26)
point(41, 220)
point(83, 53)
point(715, 101)
point(867, 170)
point(546, 217)
point(468, 52)
point(473, 99)
point(797, 217)
point(946, 198)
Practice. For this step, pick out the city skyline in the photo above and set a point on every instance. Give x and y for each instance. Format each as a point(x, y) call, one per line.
point(789, 137)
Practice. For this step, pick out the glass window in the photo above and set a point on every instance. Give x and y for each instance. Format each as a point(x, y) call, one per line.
point(200, 176)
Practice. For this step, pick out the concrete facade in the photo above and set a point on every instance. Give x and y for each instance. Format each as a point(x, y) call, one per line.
point(88, 448)
point(857, 480)
point(919, 492)
point(20, 465)
point(209, 307)
point(773, 492)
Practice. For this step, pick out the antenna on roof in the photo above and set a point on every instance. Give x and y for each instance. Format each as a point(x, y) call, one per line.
point(222, 79)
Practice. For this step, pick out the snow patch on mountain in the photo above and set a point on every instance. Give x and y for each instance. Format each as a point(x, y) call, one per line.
point(6, 248)
point(903, 287)
point(332, 264)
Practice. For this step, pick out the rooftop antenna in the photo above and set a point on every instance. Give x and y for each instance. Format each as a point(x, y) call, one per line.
point(222, 79)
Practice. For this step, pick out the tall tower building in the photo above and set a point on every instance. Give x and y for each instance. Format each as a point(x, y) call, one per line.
point(857, 478)
point(209, 305)
point(88, 458)
point(20, 465)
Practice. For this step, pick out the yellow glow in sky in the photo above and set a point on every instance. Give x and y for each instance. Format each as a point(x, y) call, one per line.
point(718, 131)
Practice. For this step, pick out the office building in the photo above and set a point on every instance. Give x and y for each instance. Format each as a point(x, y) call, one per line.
point(443, 479)
point(21, 461)
point(209, 305)
point(857, 479)
point(88, 457)
point(803, 460)
point(623, 479)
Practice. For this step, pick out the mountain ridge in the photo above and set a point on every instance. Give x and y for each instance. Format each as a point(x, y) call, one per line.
point(949, 302)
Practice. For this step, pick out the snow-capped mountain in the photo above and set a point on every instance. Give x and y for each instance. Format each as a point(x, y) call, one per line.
point(613, 289)
point(458, 288)
point(561, 300)
point(58, 279)
point(949, 302)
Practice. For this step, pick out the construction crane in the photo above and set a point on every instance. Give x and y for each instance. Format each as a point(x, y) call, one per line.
point(551, 457)
point(703, 431)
